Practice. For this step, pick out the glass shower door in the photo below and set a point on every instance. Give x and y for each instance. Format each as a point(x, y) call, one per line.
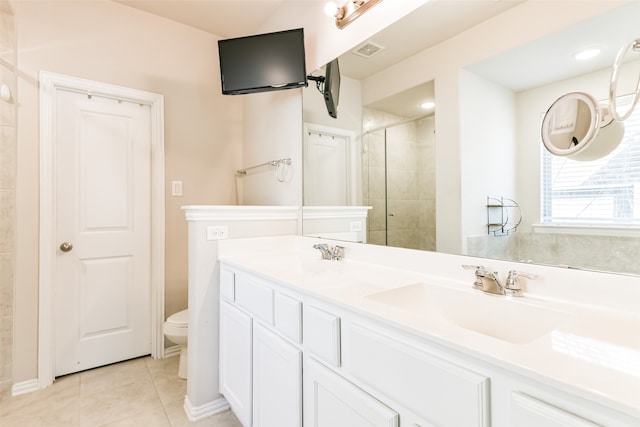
point(399, 167)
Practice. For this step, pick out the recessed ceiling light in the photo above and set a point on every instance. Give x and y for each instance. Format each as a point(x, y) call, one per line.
point(428, 105)
point(586, 54)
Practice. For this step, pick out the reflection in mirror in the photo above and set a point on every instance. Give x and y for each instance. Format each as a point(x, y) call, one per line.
point(399, 169)
point(571, 123)
point(578, 127)
point(501, 153)
point(332, 167)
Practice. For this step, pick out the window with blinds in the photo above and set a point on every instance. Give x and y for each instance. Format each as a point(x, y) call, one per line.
point(601, 192)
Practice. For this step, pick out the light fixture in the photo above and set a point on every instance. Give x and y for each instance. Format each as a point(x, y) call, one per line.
point(427, 105)
point(586, 54)
point(332, 9)
point(349, 11)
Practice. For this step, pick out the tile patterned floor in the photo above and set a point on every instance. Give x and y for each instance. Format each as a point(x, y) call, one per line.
point(139, 392)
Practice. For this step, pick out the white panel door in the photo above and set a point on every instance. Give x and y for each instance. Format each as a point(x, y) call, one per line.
point(103, 216)
point(277, 381)
point(332, 401)
point(325, 170)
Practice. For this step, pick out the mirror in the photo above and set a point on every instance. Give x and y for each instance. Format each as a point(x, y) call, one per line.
point(527, 79)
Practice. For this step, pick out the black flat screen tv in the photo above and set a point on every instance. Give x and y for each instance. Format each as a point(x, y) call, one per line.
point(263, 62)
point(331, 90)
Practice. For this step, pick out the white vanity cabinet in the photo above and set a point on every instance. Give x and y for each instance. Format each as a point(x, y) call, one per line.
point(260, 371)
point(291, 357)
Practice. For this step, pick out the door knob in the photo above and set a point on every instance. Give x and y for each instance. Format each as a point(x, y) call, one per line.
point(66, 247)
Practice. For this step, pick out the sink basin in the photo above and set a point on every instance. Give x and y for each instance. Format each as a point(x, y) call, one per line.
point(295, 264)
point(512, 320)
point(339, 277)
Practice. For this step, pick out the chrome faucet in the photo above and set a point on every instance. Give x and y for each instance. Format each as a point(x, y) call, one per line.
point(486, 281)
point(333, 253)
point(489, 281)
point(513, 286)
point(338, 253)
point(324, 250)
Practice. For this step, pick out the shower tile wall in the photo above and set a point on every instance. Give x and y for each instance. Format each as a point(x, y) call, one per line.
point(408, 166)
point(402, 186)
point(374, 187)
point(427, 182)
point(8, 138)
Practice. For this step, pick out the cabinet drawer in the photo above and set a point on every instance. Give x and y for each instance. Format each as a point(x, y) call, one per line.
point(255, 297)
point(227, 284)
point(527, 411)
point(438, 391)
point(288, 317)
point(322, 335)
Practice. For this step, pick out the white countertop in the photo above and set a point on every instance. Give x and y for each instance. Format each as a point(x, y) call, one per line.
point(589, 350)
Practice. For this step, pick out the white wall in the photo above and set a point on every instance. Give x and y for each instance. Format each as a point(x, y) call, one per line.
point(272, 130)
point(106, 41)
point(488, 141)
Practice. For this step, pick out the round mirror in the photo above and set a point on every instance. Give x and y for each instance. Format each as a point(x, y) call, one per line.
point(575, 126)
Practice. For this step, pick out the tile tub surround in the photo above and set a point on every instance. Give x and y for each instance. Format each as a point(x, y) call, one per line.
point(8, 161)
point(606, 317)
point(576, 250)
point(137, 392)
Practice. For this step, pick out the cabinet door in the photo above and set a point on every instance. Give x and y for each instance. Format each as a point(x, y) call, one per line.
point(332, 401)
point(227, 283)
point(277, 380)
point(235, 360)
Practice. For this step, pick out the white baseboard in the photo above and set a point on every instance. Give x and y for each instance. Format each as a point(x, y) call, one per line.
point(174, 350)
point(196, 413)
point(24, 387)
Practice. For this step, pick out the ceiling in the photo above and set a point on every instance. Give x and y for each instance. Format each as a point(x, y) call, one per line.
point(427, 26)
point(540, 62)
point(224, 18)
point(550, 59)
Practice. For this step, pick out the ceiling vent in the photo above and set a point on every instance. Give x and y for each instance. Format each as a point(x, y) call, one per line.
point(368, 49)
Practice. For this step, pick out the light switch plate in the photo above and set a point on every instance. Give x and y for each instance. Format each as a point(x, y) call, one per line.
point(218, 232)
point(176, 188)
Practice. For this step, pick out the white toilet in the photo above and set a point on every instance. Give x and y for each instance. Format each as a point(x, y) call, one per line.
point(176, 329)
